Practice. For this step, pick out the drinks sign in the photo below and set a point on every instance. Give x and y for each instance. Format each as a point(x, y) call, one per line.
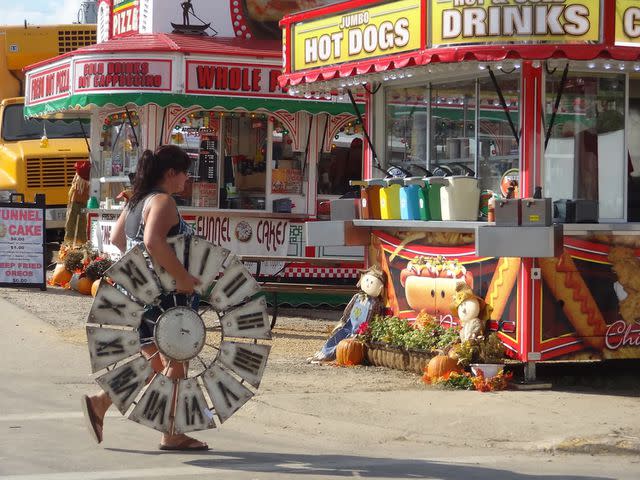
point(389, 28)
point(122, 74)
point(460, 22)
point(627, 23)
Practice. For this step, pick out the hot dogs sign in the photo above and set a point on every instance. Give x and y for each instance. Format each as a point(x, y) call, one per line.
point(389, 28)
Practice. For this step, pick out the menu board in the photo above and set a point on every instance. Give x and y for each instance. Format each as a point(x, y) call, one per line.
point(22, 245)
point(208, 157)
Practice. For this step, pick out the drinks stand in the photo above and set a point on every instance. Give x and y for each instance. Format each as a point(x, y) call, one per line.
point(481, 101)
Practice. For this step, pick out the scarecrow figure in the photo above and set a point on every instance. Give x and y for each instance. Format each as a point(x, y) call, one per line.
point(75, 227)
point(363, 306)
point(472, 311)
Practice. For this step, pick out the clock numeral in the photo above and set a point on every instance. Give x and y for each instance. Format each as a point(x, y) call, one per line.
point(108, 346)
point(226, 393)
point(132, 272)
point(154, 407)
point(125, 382)
point(248, 321)
point(246, 359)
point(235, 286)
point(192, 412)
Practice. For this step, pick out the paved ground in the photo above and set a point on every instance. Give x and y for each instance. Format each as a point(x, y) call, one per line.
point(307, 421)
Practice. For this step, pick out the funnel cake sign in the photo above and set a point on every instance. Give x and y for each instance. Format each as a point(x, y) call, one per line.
point(457, 22)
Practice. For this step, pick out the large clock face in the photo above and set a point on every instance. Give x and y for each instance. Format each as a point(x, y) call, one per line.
point(220, 336)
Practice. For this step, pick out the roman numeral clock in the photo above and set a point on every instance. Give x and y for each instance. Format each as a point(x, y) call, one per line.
point(223, 339)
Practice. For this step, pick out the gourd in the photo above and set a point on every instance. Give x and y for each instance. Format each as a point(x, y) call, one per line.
point(61, 276)
point(440, 365)
point(94, 287)
point(350, 351)
point(80, 284)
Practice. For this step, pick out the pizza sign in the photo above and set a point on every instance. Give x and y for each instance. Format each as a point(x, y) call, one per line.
point(125, 17)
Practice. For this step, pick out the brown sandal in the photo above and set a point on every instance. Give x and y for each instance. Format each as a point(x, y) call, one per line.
point(186, 445)
point(93, 423)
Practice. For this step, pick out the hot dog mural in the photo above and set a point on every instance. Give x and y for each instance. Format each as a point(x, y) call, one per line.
point(586, 305)
point(425, 270)
point(430, 282)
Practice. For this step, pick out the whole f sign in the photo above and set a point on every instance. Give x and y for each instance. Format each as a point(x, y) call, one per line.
point(231, 79)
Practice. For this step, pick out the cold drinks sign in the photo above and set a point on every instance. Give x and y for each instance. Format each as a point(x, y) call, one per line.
point(21, 245)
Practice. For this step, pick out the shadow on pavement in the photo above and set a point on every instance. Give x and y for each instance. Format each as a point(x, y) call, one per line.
point(350, 466)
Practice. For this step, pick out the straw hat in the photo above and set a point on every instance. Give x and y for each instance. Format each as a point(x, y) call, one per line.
point(463, 292)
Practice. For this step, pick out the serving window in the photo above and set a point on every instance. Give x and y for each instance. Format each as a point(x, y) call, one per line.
point(119, 152)
point(585, 155)
point(456, 128)
point(229, 152)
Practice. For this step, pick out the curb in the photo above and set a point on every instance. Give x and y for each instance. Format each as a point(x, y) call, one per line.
point(612, 444)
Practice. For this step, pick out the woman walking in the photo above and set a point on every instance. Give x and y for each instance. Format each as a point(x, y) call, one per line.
point(150, 217)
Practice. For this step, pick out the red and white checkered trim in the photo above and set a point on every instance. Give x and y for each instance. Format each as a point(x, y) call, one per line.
point(320, 272)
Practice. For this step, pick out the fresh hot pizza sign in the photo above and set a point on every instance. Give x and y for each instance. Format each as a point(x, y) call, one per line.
point(232, 79)
point(628, 22)
point(50, 84)
point(388, 28)
point(456, 22)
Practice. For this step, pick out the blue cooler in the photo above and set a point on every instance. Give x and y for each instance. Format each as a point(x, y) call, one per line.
point(413, 204)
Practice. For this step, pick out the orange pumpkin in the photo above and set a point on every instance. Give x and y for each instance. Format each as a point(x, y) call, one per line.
point(440, 365)
point(61, 276)
point(82, 285)
point(94, 287)
point(350, 351)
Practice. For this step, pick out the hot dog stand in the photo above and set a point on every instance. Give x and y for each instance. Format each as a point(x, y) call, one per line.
point(255, 148)
point(479, 101)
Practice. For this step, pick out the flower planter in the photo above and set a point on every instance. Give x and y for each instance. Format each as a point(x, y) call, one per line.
point(489, 370)
point(388, 356)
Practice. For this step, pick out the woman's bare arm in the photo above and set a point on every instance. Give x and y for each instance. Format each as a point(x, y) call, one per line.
point(117, 235)
point(161, 215)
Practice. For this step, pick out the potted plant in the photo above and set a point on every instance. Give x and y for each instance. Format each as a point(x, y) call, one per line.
point(484, 354)
point(397, 343)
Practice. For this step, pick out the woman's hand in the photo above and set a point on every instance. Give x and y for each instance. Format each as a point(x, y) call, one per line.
point(186, 283)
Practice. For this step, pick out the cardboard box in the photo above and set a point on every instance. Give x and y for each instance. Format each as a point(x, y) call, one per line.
point(255, 181)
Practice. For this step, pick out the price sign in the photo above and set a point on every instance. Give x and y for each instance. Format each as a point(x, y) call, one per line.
point(22, 230)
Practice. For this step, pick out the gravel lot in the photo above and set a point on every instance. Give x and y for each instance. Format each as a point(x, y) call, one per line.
point(298, 333)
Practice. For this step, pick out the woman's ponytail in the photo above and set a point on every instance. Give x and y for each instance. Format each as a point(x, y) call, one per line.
point(152, 167)
point(144, 181)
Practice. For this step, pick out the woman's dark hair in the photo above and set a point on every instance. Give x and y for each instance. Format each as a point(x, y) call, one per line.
point(152, 167)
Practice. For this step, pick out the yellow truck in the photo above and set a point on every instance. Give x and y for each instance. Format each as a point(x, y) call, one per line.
point(27, 164)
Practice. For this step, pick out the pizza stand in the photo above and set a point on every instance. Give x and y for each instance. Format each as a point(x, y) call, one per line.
point(494, 99)
point(255, 148)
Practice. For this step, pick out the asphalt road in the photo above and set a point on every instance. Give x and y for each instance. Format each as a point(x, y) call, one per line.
point(43, 437)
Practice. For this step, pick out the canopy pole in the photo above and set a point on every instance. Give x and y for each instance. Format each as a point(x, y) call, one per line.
point(552, 121)
point(503, 102)
point(376, 162)
point(135, 136)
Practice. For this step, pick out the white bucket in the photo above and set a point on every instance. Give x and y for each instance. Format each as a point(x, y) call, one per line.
point(460, 198)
